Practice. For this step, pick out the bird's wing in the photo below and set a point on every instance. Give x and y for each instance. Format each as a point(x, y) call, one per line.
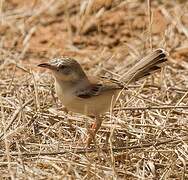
point(95, 89)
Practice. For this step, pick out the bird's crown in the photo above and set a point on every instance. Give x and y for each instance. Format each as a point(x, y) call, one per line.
point(64, 61)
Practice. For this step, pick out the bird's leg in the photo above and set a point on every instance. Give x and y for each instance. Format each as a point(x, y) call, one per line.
point(94, 129)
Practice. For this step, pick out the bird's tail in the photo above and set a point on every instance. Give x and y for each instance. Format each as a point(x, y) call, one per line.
point(146, 66)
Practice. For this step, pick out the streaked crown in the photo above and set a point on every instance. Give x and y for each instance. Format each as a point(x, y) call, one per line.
point(68, 66)
point(64, 61)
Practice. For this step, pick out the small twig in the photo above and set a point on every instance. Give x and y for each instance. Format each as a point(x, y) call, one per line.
point(14, 116)
point(150, 108)
point(150, 23)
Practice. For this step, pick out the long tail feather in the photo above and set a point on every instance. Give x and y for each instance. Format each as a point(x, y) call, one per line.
point(146, 66)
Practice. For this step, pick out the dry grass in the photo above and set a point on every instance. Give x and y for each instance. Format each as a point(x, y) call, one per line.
point(146, 135)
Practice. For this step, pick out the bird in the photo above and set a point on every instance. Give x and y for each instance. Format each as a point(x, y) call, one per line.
point(93, 96)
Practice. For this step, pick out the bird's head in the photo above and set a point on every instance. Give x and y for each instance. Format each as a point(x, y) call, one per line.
point(65, 69)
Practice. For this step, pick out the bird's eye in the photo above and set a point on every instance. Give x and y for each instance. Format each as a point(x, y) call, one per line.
point(62, 67)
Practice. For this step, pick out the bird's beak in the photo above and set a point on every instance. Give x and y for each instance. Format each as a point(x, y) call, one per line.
point(47, 65)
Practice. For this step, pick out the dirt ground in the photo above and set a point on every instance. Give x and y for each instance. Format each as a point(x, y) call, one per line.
point(146, 135)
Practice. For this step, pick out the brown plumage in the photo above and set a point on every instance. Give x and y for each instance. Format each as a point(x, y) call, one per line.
point(146, 66)
point(94, 96)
